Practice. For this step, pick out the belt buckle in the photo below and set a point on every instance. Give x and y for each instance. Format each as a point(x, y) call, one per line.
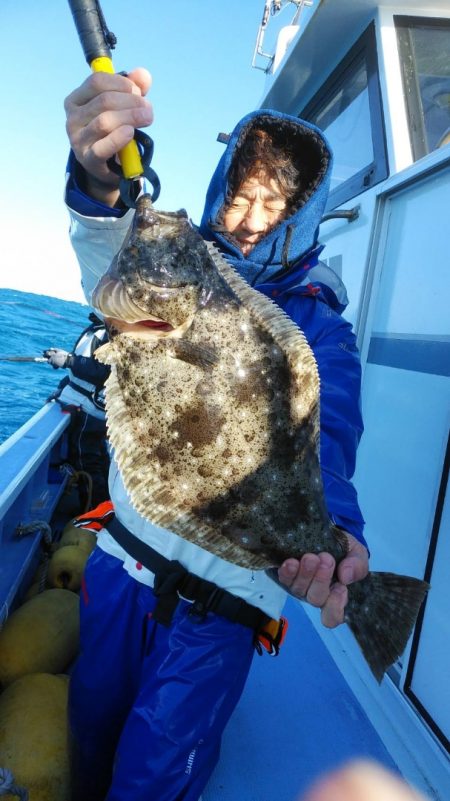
point(200, 609)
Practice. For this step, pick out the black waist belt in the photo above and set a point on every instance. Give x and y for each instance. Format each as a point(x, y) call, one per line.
point(172, 580)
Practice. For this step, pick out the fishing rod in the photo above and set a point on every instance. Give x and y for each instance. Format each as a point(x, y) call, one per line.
point(39, 359)
point(97, 42)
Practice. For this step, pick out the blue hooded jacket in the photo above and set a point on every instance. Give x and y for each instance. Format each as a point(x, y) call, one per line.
point(284, 265)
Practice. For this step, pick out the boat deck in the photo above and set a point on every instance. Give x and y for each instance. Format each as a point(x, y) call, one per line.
point(297, 718)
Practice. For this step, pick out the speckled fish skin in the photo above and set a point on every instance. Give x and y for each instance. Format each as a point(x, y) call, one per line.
point(213, 410)
point(214, 426)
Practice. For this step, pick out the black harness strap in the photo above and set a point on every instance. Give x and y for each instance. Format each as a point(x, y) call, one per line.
point(82, 390)
point(173, 581)
point(91, 394)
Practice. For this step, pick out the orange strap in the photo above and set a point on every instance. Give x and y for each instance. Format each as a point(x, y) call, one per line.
point(271, 636)
point(97, 518)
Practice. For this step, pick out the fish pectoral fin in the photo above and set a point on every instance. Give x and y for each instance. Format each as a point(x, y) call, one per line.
point(341, 540)
point(104, 353)
point(198, 355)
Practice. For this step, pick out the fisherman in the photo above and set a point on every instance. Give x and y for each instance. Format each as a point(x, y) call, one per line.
point(149, 699)
point(81, 393)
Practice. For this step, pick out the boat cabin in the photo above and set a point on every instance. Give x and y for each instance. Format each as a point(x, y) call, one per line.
point(375, 77)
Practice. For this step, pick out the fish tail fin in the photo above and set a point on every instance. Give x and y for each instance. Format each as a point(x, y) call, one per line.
point(381, 612)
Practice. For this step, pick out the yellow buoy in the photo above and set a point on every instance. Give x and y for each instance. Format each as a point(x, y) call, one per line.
point(34, 736)
point(81, 537)
point(40, 636)
point(66, 567)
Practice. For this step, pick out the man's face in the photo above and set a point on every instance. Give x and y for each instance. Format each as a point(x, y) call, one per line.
point(256, 208)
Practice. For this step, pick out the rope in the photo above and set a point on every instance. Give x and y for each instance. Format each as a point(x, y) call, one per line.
point(43, 572)
point(88, 478)
point(74, 476)
point(29, 528)
point(8, 786)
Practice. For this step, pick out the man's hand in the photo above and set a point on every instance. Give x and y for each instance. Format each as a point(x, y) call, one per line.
point(311, 579)
point(102, 115)
point(57, 357)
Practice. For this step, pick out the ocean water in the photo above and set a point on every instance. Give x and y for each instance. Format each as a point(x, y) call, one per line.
point(29, 324)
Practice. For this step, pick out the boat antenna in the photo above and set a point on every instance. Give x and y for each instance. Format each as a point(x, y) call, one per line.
point(273, 8)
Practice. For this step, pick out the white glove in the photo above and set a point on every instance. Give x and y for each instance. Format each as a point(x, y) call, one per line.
point(57, 357)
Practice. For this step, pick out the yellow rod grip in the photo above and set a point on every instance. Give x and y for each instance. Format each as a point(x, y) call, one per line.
point(129, 155)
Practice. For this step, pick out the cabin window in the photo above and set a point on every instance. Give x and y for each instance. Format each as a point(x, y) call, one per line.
point(424, 47)
point(348, 110)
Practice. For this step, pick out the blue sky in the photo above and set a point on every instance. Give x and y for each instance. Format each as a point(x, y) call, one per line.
point(199, 53)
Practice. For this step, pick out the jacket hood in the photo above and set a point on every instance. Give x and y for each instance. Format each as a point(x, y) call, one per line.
point(293, 237)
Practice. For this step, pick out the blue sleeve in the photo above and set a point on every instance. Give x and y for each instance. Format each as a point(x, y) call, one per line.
point(89, 369)
point(77, 200)
point(334, 346)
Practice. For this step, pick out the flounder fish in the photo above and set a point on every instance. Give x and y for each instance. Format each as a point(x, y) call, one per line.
point(213, 413)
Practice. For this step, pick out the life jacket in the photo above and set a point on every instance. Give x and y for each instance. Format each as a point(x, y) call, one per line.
point(95, 519)
point(75, 392)
point(87, 344)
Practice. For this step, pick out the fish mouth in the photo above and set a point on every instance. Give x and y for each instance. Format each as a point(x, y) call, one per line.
point(123, 314)
point(157, 325)
point(142, 329)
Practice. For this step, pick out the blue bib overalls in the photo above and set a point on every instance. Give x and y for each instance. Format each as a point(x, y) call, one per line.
point(148, 703)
